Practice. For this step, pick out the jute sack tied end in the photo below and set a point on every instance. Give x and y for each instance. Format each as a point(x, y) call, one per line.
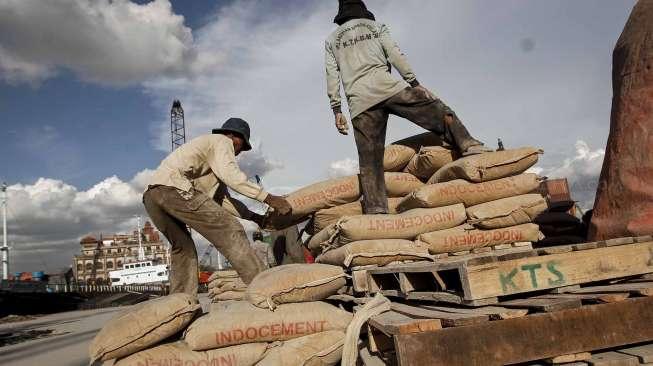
point(295, 283)
point(406, 225)
point(142, 326)
point(488, 166)
point(329, 216)
point(507, 212)
point(378, 252)
point(321, 349)
point(469, 194)
point(466, 237)
point(396, 157)
point(322, 239)
point(429, 159)
point(239, 322)
point(179, 353)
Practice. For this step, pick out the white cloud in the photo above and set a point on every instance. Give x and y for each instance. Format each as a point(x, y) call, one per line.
point(581, 170)
point(343, 168)
point(111, 42)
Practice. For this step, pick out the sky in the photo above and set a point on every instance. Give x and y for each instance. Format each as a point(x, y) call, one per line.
point(86, 88)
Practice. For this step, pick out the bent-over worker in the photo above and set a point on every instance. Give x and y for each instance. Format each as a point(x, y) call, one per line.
point(190, 188)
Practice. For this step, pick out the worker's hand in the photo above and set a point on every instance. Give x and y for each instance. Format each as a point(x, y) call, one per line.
point(279, 204)
point(427, 93)
point(342, 124)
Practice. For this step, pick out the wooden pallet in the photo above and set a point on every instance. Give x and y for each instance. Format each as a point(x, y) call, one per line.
point(483, 278)
point(529, 329)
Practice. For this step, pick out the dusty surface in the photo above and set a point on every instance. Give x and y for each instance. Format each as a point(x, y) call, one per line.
point(57, 339)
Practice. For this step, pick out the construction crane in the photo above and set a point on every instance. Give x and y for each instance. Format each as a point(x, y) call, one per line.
point(177, 125)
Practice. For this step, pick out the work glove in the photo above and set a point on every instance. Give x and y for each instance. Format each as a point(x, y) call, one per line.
point(342, 124)
point(279, 204)
point(258, 219)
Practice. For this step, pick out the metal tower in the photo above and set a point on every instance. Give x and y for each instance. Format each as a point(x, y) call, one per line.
point(4, 248)
point(177, 125)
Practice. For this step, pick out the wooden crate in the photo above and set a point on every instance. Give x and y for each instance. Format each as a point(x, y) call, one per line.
point(483, 278)
point(573, 321)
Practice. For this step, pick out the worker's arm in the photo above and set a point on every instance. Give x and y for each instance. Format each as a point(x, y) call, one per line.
point(233, 205)
point(396, 57)
point(222, 160)
point(333, 79)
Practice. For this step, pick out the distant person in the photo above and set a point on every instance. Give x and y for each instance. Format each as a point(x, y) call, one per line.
point(263, 250)
point(190, 188)
point(359, 54)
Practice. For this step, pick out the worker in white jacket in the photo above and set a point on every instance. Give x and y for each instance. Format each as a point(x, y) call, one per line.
point(359, 54)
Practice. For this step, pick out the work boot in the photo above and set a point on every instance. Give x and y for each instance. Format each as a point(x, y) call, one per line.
point(476, 149)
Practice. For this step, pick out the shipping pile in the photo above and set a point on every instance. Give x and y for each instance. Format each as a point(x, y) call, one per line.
point(439, 203)
point(282, 320)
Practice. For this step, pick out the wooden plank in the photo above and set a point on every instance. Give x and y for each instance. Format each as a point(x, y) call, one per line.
point(392, 322)
point(643, 353)
point(643, 239)
point(592, 298)
point(494, 312)
point(574, 357)
point(556, 270)
point(434, 296)
point(562, 290)
point(638, 288)
point(447, 319)
point(619, 241)
point(543, 303)
point(359, 280)
point(527, 339)
point(613, 359)
point(584, 246)
point(558, 249)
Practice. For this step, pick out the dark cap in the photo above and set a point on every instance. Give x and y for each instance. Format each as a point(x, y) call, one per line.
point(238, 126)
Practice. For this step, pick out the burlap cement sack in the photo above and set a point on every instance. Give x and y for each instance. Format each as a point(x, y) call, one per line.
point(295, 283)
point(379, 252)
point(228, 296)
point(180, 354)
point(239, 322)
point(223, 274)
point(400, 184)
point(321, 349)
point(507, 212)
point(488, 166)
point(142, 326)
point(396, 157)
point(407, 225)
point(329, 216)
point(321, 239)
point(466, 237)
point(335, 192)
point(469, 194)
point(428, 160)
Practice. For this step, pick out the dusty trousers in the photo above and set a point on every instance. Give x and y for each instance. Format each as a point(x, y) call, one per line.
point(370, 127)
point(171, 211)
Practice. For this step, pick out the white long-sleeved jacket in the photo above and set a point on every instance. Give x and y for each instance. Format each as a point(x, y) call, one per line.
point(359, 53)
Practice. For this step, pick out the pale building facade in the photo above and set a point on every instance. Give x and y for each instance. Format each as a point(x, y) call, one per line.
point(108, 253)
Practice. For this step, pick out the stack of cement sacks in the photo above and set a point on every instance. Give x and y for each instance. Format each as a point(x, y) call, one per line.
point(225, 286)
point(282, 321)
point(439, 203)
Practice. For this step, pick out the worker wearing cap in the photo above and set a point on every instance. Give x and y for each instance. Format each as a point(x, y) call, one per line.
point(189, 188)
point(359, 54)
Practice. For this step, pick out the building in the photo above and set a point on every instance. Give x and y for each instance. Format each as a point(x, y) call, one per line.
point(100, 256)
